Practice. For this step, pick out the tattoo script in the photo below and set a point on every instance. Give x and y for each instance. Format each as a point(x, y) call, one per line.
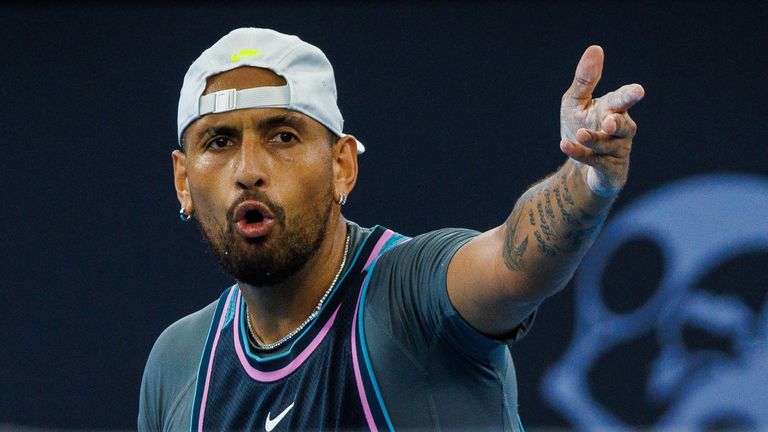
point(560, 225)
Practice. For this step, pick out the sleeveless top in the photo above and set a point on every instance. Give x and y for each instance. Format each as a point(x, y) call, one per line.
point(323, 380)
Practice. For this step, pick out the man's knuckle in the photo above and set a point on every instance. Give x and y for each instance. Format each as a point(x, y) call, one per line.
point(583, 82)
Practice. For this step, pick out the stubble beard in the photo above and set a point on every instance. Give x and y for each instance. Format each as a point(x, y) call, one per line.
point(272, 260)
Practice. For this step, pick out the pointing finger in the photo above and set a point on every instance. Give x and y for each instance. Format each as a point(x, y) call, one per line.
point(585, 80)
point(622, 99)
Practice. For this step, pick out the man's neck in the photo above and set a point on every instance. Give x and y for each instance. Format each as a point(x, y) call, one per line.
point(277, 310)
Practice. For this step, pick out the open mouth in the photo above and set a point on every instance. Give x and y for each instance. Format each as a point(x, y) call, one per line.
point(253, 219)
point(253, 216)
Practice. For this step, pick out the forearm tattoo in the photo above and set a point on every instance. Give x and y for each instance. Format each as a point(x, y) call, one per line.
point(514, 250)
point(560, 225)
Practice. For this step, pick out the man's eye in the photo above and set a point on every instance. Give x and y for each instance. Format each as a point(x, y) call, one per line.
point(284, 138)
point(217, 143)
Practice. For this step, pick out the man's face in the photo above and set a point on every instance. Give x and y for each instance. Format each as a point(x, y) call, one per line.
point(259, 181)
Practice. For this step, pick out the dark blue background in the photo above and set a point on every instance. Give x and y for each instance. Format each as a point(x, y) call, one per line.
point(456, 102)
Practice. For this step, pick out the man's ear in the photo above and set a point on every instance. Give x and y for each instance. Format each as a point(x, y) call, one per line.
point(344, 165)
point(181, 182)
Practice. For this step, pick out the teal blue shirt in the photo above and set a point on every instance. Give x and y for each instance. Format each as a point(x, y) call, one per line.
point(433, 369)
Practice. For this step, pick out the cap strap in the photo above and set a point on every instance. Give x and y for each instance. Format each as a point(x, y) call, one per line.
point(257, 97)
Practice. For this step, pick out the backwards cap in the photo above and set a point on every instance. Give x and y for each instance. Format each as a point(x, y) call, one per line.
point(310, 88)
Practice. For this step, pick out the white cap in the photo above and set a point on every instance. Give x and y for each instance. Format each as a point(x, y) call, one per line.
point(310, 88)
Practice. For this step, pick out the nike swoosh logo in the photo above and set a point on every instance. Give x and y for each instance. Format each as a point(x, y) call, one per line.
point(243, 54)
point(272, 423)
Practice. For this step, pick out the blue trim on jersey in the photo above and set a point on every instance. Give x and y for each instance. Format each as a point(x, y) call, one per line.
point(219, 348)
point(395, 240)
point(246, 344)
point(206, 353)
point(231, 311)
point(392, 242)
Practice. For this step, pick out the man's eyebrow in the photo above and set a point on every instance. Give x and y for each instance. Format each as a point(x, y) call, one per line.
point(216, 130)
point(292, 119)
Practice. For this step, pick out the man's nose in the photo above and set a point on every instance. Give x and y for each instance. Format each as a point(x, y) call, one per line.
point(252, 164)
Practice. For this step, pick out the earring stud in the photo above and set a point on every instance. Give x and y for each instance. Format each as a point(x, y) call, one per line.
point(184, 216)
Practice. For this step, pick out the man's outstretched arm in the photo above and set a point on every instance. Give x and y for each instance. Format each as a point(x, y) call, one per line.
point(499, 277)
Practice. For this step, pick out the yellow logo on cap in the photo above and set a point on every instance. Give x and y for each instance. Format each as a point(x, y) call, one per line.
point(243, 54)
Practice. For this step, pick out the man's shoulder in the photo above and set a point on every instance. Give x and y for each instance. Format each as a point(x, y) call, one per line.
point(175, 356)
point(429, 245)
point(430, 241)
point(447, 235)
point(408, 283)
point(185, 337)
point(171, 369)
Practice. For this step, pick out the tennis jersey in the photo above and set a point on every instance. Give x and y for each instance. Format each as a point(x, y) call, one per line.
point(387, 352)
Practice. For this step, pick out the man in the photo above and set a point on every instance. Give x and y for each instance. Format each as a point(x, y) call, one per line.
point(331, 326)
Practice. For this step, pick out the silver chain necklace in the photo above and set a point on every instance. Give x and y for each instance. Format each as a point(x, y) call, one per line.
point(261, 345)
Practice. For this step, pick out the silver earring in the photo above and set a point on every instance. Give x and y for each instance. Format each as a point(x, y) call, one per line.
point(184, 216)
point(342, 198)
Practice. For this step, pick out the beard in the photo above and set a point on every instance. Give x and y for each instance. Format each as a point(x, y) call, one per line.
point(270, 260)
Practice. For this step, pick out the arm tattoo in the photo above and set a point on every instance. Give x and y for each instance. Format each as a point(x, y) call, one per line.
point(545, 228)
point(544, 247)
point(513, 253)
point(561, 226)
point(569, 219)
point(566, 192)
point(548, 205)
point(579, 226)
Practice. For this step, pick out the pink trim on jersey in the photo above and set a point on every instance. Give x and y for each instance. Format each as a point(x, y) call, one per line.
point(379, 245)
point(292, 366)
point(356, 366)
point(358, 378)
point(210, 361)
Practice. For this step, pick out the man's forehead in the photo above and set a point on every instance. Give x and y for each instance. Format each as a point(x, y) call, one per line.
point(252, 116)
point(243, 78)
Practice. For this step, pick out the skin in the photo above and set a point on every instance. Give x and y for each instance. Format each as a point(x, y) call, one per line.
point(291, 164)
point(498, 278)
point(495, 280)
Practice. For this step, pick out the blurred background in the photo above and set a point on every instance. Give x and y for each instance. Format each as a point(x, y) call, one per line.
point(664, 326)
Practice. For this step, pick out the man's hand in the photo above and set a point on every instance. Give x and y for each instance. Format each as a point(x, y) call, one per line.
point(598, 132)
point(496, 279)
